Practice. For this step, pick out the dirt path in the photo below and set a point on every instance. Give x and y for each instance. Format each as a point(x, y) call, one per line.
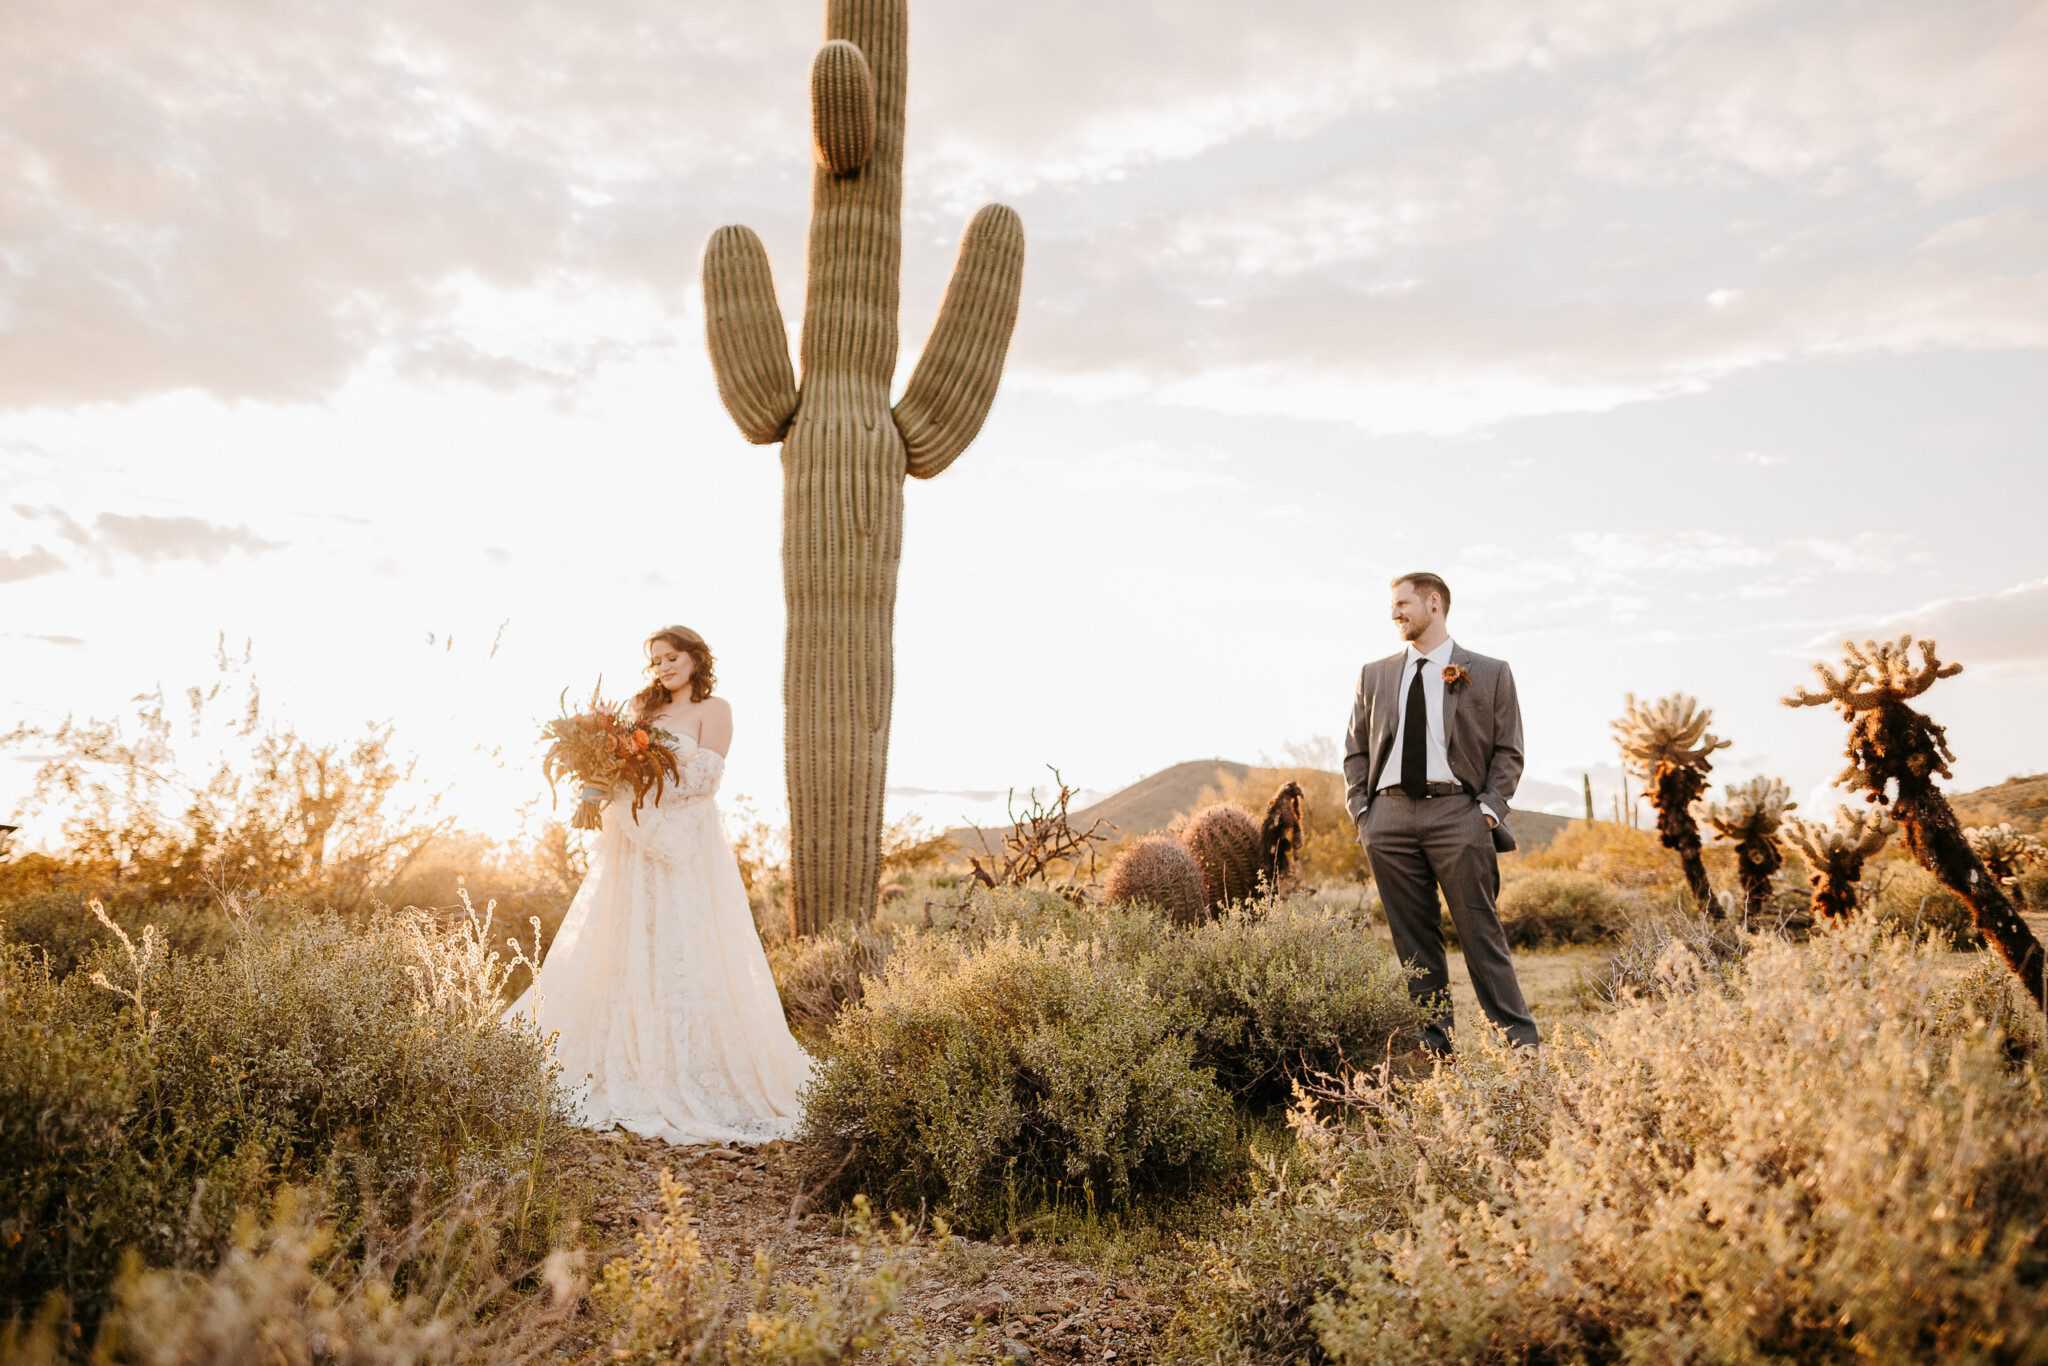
point(1029, 1303)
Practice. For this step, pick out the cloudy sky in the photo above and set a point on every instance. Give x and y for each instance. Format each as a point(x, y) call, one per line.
point(1682, 338)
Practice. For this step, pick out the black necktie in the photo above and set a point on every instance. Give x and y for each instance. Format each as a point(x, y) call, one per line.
point(1414, 739)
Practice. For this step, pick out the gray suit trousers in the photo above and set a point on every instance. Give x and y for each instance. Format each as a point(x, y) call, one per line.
point(1416, 847)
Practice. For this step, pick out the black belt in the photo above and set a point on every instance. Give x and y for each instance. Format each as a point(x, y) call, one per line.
point(1429, 790)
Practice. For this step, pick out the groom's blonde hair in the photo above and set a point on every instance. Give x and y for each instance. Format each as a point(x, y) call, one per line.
point(1426, 584)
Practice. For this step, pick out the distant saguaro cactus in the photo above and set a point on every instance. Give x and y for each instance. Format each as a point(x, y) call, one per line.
point(845, 451)
point(1895, 754)
point(1159, 871)
point(1837, 853)
point(1750, 816)
point(2006, 852)
point(1666, 744)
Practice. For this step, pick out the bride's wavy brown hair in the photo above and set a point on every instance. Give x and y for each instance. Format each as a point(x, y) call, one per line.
point(702, 680)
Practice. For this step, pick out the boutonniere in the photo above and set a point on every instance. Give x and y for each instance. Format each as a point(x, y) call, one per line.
point(1455, 675)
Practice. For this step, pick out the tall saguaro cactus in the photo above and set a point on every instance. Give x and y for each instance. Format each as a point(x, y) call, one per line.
point(845, 450)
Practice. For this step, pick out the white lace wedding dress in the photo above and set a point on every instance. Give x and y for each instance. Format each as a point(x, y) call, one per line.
point(669, 1021)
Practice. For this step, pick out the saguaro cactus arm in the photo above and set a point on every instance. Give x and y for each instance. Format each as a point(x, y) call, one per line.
point(955, 381)
point(749, 345)
point(842, 107)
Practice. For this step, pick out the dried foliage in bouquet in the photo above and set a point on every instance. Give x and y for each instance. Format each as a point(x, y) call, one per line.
point(1895, 754)
point(603, 749)
point(1666, 744)
point(1837, 853)
point(1750, 818)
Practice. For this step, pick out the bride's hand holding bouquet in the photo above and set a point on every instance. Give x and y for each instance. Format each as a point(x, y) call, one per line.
point(603, 749)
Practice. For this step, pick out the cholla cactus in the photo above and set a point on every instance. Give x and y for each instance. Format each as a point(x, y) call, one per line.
point(1895, 754)
point(2006, 852)
point(1225, 843)
point(1750, 817)
point(845, 450)
point(1836, 854)
point(1158, 870)
point(1667, 745)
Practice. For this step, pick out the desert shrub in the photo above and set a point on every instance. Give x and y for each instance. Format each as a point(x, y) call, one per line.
point(665, 1300)
point(1666, 953)
point(1835, 1159)
point(60, 923)
point(1347, 1177)
point(820, 975)
point(1544, 908)
point(1613, 853)
point(435, 1290)
point(986, 1079)
point(1033, 914)
point(1912, 900)
point(1283, 989)
point(147, 1095)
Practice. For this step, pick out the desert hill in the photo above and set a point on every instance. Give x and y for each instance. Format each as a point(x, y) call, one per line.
point(2023, 801)
point(1154, 802)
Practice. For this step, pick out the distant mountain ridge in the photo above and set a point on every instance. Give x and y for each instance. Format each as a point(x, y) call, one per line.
point(2020, 801)
point(1155, 802)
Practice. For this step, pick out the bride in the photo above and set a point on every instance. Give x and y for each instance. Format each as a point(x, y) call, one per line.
point(656, 983)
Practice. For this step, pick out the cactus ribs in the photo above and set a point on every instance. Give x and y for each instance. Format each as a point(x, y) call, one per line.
point(845, 450)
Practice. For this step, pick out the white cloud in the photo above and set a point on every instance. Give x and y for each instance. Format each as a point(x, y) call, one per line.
point(2006, 627)
point(1632, 552)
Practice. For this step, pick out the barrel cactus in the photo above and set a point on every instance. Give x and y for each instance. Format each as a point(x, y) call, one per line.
point(1666, 744)
point(845, 450)
point(1226, 846)
point(1836, 854)
point(1750, 817)
point(1895, 754)
point(1157, 870)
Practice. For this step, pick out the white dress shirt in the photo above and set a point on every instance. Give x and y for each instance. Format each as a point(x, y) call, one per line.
point(1436, 753)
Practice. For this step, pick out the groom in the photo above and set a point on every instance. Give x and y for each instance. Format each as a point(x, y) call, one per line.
point(1432, 754)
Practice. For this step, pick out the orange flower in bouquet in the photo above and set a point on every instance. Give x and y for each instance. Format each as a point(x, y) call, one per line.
point(602, 749)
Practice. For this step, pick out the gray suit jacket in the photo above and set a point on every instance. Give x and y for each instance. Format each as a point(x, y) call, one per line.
point(1482, 732)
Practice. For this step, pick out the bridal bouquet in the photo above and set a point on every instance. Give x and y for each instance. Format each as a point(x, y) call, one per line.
point(601, 748)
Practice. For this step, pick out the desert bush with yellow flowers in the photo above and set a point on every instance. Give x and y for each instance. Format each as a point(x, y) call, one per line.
point(1831, 1153)
point(152, 1095)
